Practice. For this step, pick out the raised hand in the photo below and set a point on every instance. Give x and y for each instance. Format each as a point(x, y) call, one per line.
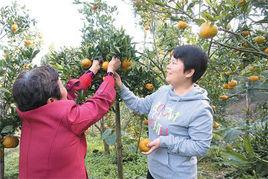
point(95, 66)
point(114, 64)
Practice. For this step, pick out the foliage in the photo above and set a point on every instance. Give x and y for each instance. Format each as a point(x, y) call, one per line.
point(17, 56)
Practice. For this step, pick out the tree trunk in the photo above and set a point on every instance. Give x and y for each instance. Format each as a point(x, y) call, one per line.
point(106, 146)
point(140, 133)
point(118, 140)
point(2, 164)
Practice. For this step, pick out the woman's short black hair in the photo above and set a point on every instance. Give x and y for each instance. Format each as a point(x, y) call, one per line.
point(193, 58)
point(33, 88)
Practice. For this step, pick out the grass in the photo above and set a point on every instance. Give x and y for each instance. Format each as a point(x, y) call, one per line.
point(101, 166)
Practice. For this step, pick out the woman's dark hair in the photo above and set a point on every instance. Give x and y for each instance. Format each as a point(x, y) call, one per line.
point(33, 88)
point(192, 58)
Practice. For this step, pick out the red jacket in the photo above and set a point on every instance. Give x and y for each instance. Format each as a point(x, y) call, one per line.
point(53, 144)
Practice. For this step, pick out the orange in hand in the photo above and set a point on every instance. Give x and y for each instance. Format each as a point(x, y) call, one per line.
point(143, 145)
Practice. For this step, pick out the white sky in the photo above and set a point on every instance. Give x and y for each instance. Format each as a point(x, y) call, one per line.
point(59, 21)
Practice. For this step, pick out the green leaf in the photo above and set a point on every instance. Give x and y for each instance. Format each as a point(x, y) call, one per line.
point(248, 147)
point(34, 54)
point(109, 136)
point(7, 129)
point(207, 16)
point(235, 158)
point(199, 21)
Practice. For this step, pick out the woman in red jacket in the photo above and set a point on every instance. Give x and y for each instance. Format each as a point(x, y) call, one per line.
point(53, 144)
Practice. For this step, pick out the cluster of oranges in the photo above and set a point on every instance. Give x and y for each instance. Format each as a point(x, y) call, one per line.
point(232, 84)
point(125, 65)
point(207, 29)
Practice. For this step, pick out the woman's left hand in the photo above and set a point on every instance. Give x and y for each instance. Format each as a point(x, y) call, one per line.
point(155, 144)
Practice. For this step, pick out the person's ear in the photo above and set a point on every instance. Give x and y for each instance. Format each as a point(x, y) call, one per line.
point(189, 73)
point(50, 100)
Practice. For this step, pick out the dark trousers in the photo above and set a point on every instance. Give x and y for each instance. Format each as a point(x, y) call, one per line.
point(149, 176)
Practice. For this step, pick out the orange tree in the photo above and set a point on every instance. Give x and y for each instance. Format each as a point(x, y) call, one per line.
point(101, 40)
point(19, 45)
point(234, 36)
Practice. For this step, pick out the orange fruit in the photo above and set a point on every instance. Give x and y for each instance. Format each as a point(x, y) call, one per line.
point(145, 122)
point(242, 2)
point(126, 64)
point(27, 66)
point(245, 33)
point(232, 83)
point(94, 7)
point(225, 86)
point(14, 27)
point(182, 25)
point(259, 39)
point(266, 50)
point(143, 145)
point(216, 125)
point(208, 30)
point(10, 141)
point(28, 43)
point(86, 63)
point(149, 86)
point(253, 78)
point(146, 28)
point(224, 97)
point(105, 65)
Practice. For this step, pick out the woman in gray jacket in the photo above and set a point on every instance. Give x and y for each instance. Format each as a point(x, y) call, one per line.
point(179, 114)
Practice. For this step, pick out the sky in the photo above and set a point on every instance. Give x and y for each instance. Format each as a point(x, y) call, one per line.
point(60, 22)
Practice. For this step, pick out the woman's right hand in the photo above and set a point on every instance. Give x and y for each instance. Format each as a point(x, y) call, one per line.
point(114, 64)
point(118, 80)
point(95, 66)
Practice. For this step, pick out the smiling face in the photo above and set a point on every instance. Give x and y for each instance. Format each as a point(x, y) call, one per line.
point(176, 74)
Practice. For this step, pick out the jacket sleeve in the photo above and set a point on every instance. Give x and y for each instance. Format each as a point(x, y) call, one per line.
point(138, 105)
point(200, 132)
point(83, 83)
point(81, 117)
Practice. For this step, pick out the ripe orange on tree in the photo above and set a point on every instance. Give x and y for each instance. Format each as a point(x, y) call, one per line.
point(14, 27)
point(182, 25)
point(10, 141)
point(224, 97)
point(225, 86)
point(146, 28)
point(266, 50)
point(149, 86)
point(208, 30)
point(259, 39)
point(104, 65)
point(86, 63)
point(28, 43)
point(145, 122)
point(232, 84)
point(216, 125)
point(143, 145)
point(126, 64)
point(94, 7)
point(253, 78)
point(242, 2)
point(245, 33)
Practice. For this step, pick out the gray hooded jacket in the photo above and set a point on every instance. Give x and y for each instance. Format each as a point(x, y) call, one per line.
point(184, 125)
